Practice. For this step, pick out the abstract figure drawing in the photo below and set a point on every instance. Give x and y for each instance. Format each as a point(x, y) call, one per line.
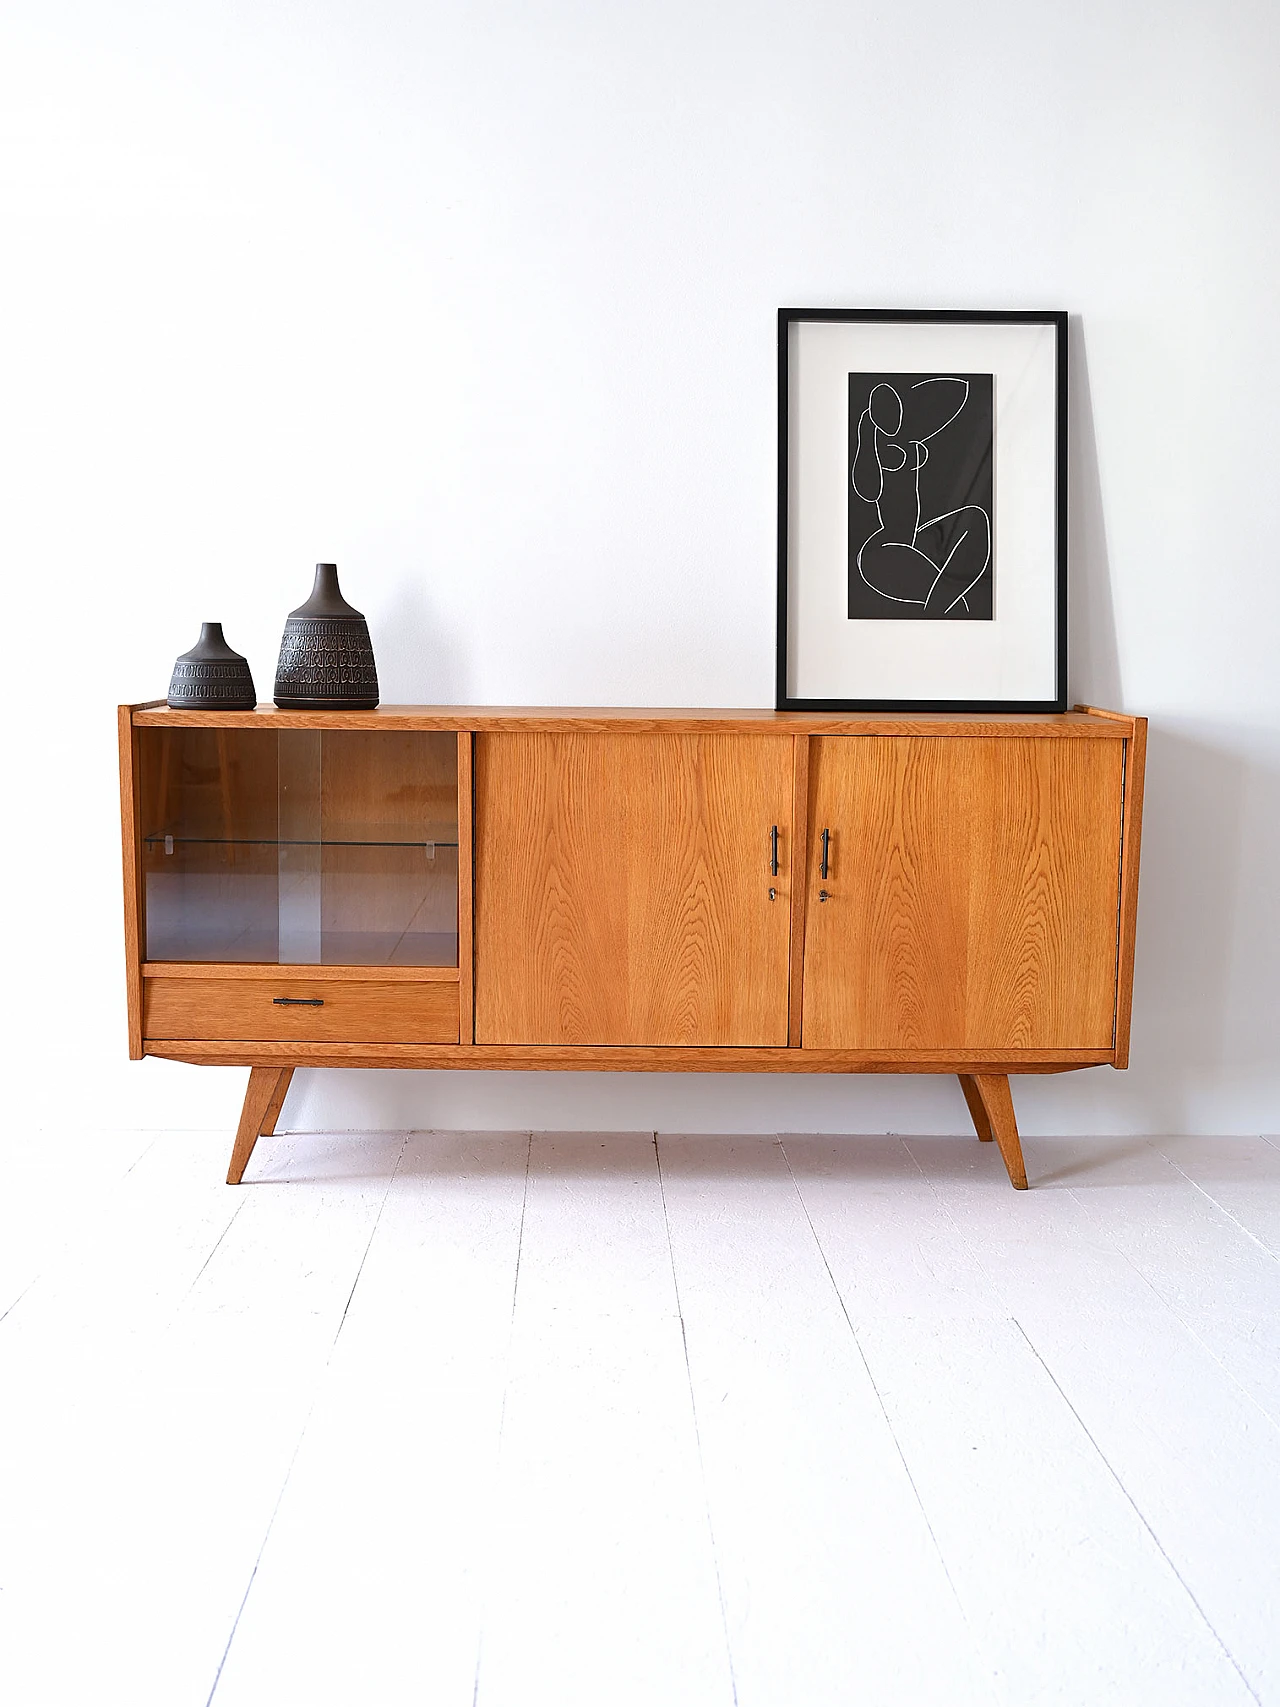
point(928, 564)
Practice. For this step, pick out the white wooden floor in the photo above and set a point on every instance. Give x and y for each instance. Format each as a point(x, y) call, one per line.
point(456, 1419)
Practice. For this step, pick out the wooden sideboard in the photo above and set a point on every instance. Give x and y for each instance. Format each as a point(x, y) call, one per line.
point(712, 891)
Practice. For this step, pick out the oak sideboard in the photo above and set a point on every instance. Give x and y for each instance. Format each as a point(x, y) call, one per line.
point(708, 891)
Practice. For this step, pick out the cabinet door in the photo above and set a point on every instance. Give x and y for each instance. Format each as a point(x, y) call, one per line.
point(971, 896)
point(622, 889)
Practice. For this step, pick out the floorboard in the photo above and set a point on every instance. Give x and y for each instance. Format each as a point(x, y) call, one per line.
point(1197, 1458)
point(829, 1570)
point(601, 1583)
point(386, 1523)
point(1152, 1400)
point(479, 1420)
point(54, 1189)
point(166, 1377)
point(1214, 1275)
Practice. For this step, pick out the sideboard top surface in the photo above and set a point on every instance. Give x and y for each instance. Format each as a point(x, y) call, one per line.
point(484, 719)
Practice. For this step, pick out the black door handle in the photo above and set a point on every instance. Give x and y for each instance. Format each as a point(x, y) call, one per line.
point(297, 1001)
point(824, 870)
point(773, 851)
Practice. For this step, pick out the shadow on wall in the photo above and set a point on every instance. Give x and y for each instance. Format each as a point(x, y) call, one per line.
point(466, 1100)
point(1193, 849)
point(1092, 651)
point(1212, 811)
point(1195, 859)
point(1208, 926)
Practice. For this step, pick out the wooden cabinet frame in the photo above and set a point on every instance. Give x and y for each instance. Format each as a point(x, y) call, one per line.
point(983, 1073)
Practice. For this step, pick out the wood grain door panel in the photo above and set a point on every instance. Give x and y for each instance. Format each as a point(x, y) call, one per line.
point(622, 889)
point(973, 893)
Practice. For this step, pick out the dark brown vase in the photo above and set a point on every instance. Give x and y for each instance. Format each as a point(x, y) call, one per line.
point(326, 656)
point(211, 677)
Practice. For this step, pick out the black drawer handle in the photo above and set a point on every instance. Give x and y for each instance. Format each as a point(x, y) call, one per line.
point(297, 1001)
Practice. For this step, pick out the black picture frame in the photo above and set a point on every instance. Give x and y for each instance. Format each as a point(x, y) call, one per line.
point(785, 700)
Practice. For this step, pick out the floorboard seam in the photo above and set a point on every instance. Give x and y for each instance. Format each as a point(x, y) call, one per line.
point(697, 1432)
point(884, 1410)
point(976, 1252)
point(62, 1248)
point(144, 1151)
point(377, 1221)
point(1180, 1318)
point(302, 1432)
point(506, 1384)
point(1137, 1510)
point(195, 1279)
point(10, 1308)
point(1222, 1209)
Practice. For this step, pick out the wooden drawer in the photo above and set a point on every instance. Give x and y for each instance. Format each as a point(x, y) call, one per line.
point(234, 1010)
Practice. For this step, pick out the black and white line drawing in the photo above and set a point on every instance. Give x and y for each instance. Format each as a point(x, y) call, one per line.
point(920, 496)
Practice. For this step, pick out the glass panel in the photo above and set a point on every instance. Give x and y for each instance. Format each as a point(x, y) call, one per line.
point(301, 847)
point(390, 855)
point(301, 773)
point(209, 832)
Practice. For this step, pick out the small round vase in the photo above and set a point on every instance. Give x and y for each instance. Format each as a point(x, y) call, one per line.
point(211, 677)
point(326, 656)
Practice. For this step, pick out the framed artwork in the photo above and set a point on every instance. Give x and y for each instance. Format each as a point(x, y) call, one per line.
point(922, 520)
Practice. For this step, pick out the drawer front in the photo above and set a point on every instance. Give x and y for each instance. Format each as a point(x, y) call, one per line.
point(263, 1010)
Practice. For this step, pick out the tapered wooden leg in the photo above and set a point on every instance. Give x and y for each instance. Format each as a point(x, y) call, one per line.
point(275, 1105)
point(981, 1125)
point(993, 1089)
point(264, 1084)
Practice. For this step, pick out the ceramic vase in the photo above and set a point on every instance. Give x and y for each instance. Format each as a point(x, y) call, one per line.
point(326, 657)
point(211, 677)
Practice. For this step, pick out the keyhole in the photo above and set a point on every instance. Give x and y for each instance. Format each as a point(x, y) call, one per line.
point(823, 896)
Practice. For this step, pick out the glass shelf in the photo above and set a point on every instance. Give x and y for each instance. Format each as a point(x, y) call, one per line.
point(169, 842)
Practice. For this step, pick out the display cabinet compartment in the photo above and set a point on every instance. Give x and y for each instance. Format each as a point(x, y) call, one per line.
point(299, 846)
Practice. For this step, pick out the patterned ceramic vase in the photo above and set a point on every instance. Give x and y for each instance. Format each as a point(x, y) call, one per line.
point(326, 657)
point(211, 677)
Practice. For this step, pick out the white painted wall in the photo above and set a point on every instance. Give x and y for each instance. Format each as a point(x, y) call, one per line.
point(479, 302)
